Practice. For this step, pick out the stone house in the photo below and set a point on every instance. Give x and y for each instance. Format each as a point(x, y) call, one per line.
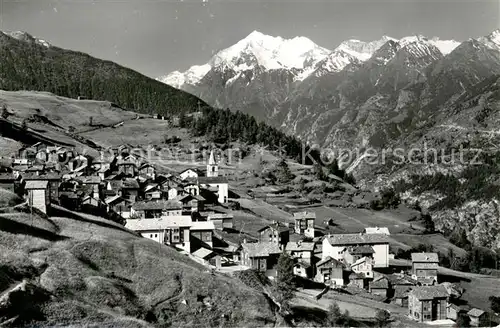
point(363, 266)
point(428, 303)
point(477, 317)
point(38, 193)
point(275, 233)
point(379, 286)
point(424, 267)
point(304, 223)
point(203, 233)
point(7, 181)
point(221, 220)
point(330, 272)
point(261, 256)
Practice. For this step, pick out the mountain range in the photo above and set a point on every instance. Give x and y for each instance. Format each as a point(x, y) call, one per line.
point(407, 94)
point(296, 84)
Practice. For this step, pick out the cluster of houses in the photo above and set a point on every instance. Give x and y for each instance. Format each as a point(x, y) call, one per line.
point(189, 212)
point(122, 185)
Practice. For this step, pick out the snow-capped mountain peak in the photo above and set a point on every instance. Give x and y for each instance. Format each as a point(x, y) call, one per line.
point(270, 52)
point(362, 50)
point(192, 76)
point(492, 40)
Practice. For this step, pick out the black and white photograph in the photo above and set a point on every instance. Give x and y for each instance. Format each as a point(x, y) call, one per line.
point(249, 163)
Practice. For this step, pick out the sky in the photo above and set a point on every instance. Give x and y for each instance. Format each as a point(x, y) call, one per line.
point(156, 37)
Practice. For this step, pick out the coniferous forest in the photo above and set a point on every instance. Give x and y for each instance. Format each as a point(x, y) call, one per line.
point(27, 65)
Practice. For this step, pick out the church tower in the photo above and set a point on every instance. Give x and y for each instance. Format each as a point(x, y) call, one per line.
point(212, 167)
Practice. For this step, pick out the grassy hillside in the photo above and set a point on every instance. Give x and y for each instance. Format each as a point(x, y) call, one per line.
point(28, 65)
point(87, 270)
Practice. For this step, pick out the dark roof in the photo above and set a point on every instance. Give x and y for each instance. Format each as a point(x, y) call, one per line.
point(49, 176)
point(261, 249)
point(401, 291)
point(364, 249)
point(277, 227)
point(475, 312)
point(329, 259)
point(357, 239)
point(159, 205)
point(212, 180)
point(424, 257)
point(355, 275)
point(429, 292)
point(7, 177)
point(381, 282)
point(36, 184)
point(304, 215)
point(300, 246)
point(130, 184)
point(401, 280)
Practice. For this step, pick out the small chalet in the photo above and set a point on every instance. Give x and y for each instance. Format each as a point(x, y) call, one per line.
point(453, 311)
point(401, 285)
point(177, 232)
point(38, 194)
point(330, 272)
point(260, 256)
point(191, 187)
point(202, 232)
point(175, 192)
point(221, 220)
point(156, 209)
point(93, 183)
point(147, 170)
point(352, 254)
point(301, 251)
point(357, 280)
point(274, 233)
point(304, 223)
point(152, 192)
point(119, 205)
point(379, 286)
point(208, 257)
point(191, 203)
point(54, 183)
point(128, 168)
point(428, 303)
point(424, 268)
point(7, 181)
point(363, 266)
point(130, 189)
point(189, 173)
point(477, 317)
point(36, 169)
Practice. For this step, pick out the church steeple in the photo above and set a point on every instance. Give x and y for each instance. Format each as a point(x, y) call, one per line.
point(212, 167)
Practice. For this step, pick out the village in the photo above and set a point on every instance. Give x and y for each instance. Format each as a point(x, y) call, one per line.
point(191, 211)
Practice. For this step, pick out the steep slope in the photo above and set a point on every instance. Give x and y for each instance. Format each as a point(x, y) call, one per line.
point(30, 64)
point(82, 270)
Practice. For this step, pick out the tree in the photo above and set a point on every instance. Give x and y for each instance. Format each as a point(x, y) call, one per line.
point(24, 125)
point(382, 317)
point(283, 173)
point(428, 223)
point(335, 318)
point(284, 286)
point(495, 303)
